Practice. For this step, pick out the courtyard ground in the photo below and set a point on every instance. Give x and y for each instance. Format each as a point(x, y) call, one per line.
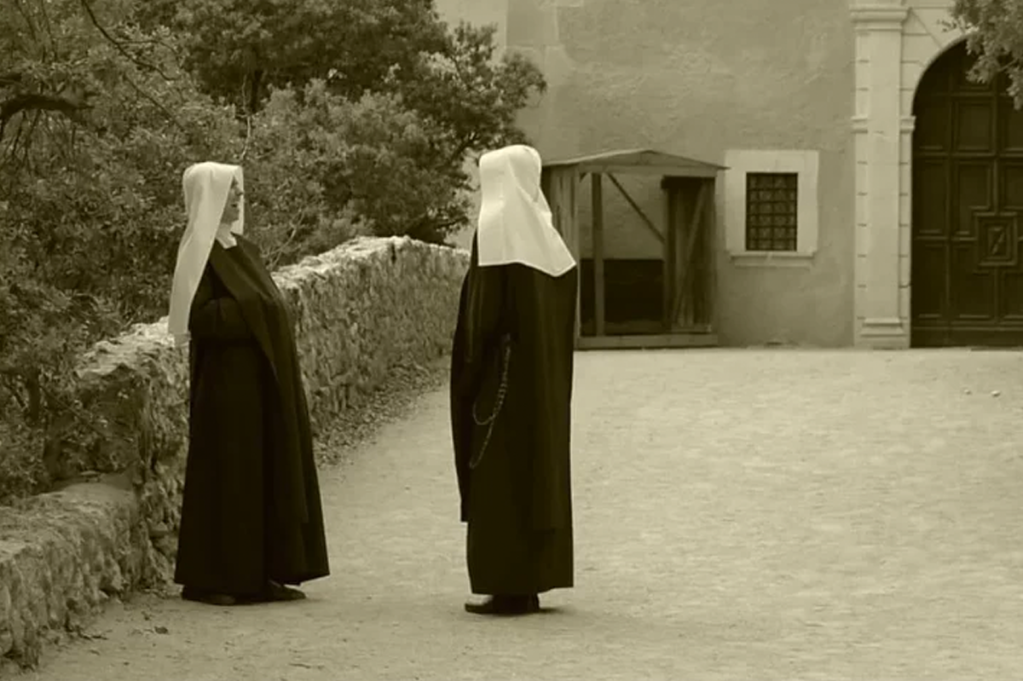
point(740, 514)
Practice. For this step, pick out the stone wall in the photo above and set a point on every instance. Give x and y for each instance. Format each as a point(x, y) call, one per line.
point(360, 309)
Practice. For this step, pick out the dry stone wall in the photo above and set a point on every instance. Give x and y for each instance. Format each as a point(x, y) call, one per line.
point(360, 309)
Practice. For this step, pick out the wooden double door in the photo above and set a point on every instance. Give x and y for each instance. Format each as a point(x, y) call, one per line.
point(967, 210)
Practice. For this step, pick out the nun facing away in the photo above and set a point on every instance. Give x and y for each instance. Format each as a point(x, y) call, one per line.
point(251, 520)
point(511, 391)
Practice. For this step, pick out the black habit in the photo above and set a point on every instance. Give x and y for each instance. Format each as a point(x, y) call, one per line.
point(251, 510)
point(517, 500)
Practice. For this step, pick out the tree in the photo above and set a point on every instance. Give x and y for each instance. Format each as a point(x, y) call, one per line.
point(468, 102)
point(98, 122)
point(350, 117)
point(465, 100)
point(241, 49)
point(994, 31)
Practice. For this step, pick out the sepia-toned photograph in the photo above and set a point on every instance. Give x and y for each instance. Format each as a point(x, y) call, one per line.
point(501, 340)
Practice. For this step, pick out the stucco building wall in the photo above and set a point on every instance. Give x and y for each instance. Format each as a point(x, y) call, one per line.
point(831, 81)
point(700, 78)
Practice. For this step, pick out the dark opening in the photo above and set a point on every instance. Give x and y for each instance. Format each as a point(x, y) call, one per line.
point(633, 296)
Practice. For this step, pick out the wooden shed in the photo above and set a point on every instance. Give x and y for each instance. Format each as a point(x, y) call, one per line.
point(679, 307)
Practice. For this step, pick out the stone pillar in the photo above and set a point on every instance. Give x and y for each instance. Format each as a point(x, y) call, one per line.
point(878, 127)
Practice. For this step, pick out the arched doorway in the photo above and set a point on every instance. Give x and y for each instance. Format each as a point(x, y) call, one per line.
point(967, 210)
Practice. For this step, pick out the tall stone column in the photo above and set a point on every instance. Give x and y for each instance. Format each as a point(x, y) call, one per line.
point(878, 128)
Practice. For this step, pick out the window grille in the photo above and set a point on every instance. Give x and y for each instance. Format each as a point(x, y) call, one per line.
point(771, 211)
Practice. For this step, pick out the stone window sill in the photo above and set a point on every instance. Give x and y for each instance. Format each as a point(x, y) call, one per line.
point(771, 259)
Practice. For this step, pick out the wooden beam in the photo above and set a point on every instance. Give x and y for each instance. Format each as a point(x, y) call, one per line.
point(710, 253)
point(668, 275)
point(694, 225)
point(672, 340)
point(694, 228)
point(561, 190)
point(635, 207)
point(598, 252)
point(662, 171)
point(571, 186)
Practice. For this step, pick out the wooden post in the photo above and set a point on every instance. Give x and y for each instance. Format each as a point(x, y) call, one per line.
point(688, 288)
point(670, 246)
point(711, 254)
point(561, 187)
point(598, 254)
point(570, 183)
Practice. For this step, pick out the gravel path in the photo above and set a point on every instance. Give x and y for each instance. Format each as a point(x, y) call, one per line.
point(742, 515)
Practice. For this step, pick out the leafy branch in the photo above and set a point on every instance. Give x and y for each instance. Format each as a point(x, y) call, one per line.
point(117, 44)
point(69, 106)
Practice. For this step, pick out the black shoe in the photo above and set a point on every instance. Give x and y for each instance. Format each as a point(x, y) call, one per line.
point(278, 592)
point(505, 605)
point(208, 597)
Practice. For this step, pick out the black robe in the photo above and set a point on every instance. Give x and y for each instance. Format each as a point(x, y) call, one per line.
point(517, 500)
point(251, 509)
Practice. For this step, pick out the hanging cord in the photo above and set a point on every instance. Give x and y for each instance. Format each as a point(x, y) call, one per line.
point(499, 402)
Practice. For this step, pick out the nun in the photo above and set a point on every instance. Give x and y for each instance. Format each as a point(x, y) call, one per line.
point(251, 520)
point(511, 391)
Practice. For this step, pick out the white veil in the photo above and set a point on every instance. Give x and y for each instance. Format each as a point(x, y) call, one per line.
point(515, 223)
point(206, 187)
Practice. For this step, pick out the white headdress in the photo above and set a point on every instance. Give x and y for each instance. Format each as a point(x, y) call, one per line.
point(206, 187)
point(515, 223)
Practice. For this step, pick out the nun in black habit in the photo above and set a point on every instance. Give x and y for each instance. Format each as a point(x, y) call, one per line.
point(511, 390)
point(251, 521)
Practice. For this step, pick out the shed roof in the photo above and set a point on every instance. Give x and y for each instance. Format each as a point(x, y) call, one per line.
point(647, 160)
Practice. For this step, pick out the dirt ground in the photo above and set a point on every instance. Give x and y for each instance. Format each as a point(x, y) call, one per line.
point(760, 514)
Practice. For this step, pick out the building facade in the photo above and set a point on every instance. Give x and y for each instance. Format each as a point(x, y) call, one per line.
point(820, 96)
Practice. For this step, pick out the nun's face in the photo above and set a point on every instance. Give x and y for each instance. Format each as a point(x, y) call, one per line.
point(231, 208)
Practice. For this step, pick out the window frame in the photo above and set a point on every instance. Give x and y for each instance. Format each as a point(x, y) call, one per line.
point(740, 162)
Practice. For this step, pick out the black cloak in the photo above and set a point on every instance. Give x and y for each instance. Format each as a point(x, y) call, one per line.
point(517, 499)
point(251, 510)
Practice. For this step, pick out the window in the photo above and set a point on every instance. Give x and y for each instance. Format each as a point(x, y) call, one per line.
point(770, 207)
point(771, 211)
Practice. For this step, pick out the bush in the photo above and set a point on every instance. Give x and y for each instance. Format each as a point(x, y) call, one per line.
point(103, 103)
point(373, 157)
point(90, 202)
point(438, 95)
